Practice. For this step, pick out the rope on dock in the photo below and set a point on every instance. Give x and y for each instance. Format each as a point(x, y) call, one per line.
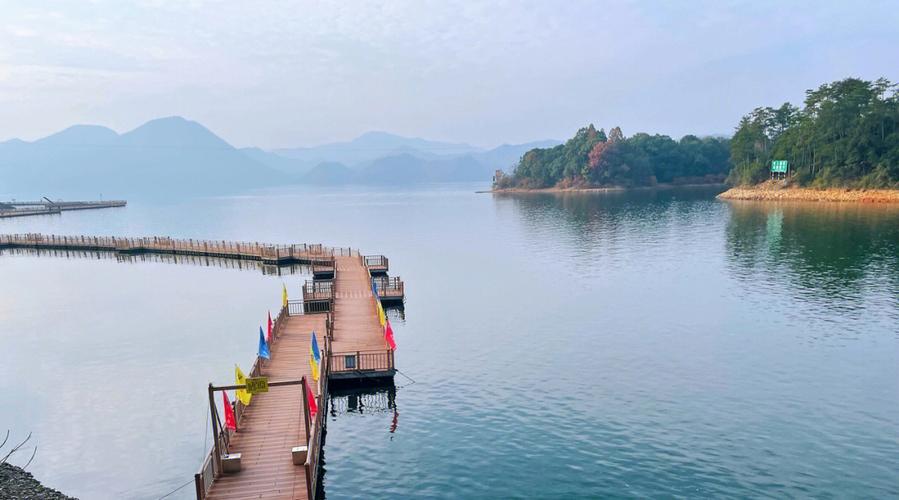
point(176, 489)
point(411, 380)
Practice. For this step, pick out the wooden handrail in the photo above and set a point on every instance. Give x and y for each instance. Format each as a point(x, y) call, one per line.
point(254, 250)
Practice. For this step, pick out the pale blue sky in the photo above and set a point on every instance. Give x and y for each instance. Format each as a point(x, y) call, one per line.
point(280, 74)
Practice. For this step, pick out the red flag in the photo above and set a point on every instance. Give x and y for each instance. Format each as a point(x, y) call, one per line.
point(388, 335)
point(310, 401)
point(269, 327)
point(230, 422)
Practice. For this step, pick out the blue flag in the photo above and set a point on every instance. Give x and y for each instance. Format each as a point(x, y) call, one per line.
point(316, 353)
point(263, 346)
point(374, 288)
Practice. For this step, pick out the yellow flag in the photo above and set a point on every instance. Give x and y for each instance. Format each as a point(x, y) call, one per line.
point(241, 379)
point(283, 295)
point(314, 367)
point(381, 317)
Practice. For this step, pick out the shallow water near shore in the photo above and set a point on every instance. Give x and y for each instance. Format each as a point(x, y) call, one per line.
point(553, 345)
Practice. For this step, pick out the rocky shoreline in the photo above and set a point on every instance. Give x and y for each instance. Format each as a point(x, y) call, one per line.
point(18, 483)
point(770, 192)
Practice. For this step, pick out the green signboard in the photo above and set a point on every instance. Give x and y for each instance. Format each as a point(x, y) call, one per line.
point(780, 166)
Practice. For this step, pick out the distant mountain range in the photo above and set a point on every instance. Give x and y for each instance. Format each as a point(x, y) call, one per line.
point(383, 158)
point(178, 156)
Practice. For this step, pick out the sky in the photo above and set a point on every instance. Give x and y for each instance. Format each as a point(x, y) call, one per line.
point(288, 74)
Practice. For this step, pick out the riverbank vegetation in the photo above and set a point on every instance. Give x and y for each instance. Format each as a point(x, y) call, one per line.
point(594, 159)
point(845, 135)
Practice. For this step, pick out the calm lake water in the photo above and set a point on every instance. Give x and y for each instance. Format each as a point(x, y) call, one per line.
point(569, 346)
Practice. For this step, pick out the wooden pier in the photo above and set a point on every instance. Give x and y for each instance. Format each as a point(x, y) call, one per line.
point(46, 206)
point(278, 438)
point(275, 423)
point(359, 351)
point(305, 253)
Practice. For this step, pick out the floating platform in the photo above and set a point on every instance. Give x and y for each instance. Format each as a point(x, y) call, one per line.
point(318, 295)
point(26, 208)
point(323, 269)
point(304, 253)
point(390, 289)
point(376, 264)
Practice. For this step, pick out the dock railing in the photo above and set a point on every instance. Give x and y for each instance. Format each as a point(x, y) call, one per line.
point(302, 252)
point(362, 361)
point(316, 424)
point(295, 307)
point(389, 286)
point(318, 290)
point(376, 263)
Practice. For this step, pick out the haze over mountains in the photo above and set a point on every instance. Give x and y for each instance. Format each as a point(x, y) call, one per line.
point(178, 156)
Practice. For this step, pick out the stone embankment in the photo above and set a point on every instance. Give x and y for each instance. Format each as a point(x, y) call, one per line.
point(17, 483)
point(776, 191)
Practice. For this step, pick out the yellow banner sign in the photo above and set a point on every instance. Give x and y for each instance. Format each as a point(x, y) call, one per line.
point(255, 385)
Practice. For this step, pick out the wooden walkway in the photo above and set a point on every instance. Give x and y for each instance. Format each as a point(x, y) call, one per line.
point(348, 331)
point(273, 423)
point(302, 253)
point(354, 348)
point(356, 326)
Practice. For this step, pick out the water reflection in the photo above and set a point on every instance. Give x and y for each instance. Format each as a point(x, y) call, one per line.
point(193, 260)
point(376, 404)
point(829, 252)
point(360, 401)
point(607, 227)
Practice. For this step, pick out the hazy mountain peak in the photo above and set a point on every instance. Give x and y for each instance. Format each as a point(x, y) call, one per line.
point(174, 131)
point(81, 135)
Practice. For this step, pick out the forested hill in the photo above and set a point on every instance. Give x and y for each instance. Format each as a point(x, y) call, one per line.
point(845, 135)
point(592, 158)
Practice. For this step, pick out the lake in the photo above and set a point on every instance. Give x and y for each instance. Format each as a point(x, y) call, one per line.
point(651, 343)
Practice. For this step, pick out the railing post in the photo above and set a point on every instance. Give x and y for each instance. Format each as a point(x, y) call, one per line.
point(199, 486)
point(308, 467)
point(217, 459)
point(306, 408)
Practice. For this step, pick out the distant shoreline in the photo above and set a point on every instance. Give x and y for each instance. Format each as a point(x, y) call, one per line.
point(612, 189)
point(767, 192)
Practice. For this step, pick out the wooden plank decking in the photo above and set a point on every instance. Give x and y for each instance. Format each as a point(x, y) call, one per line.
point(356, 326)
point(273, 423)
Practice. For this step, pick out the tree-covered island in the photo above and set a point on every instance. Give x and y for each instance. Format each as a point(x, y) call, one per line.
point(845, 136)
point(593, 158)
